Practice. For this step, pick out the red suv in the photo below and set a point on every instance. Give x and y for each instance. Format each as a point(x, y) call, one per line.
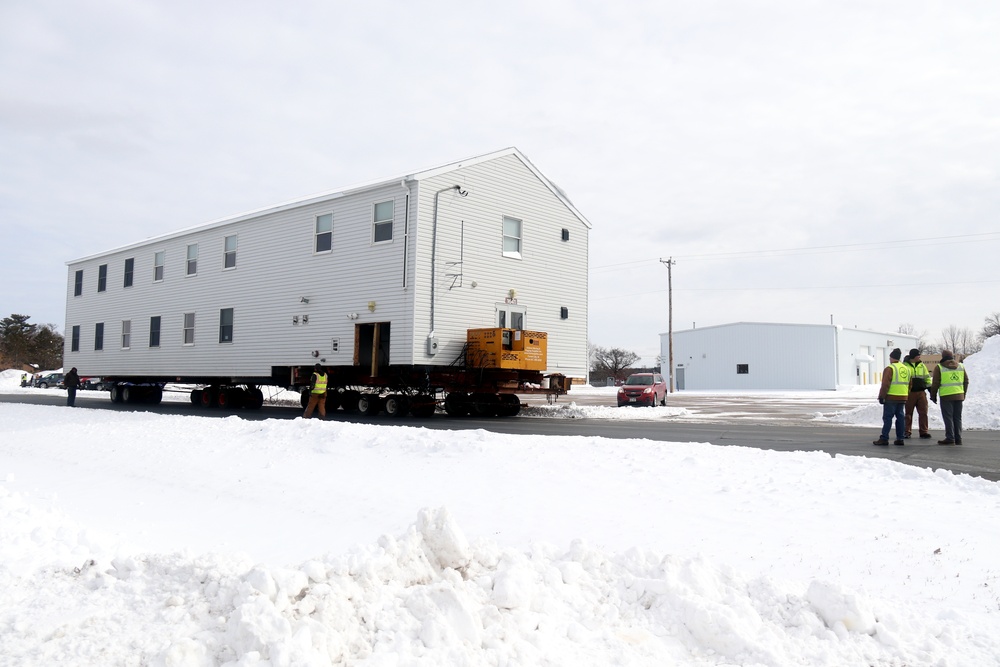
point(643, 389)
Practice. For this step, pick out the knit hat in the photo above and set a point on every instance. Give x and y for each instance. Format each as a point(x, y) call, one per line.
point(914, 353)
point(947, 355)
point(896, 354)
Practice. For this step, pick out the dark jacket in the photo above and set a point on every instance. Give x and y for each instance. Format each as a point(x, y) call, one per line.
point(72, 379)
point(936, 382)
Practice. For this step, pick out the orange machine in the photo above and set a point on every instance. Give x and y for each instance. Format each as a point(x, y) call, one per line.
point(507, 348)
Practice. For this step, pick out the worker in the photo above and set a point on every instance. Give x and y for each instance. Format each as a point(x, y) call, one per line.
point(317, 392)
point(72, 382)
point(920, 382)
point(950, 382)
point(892, 396)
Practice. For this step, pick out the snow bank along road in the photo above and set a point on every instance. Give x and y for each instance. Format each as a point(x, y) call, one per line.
point(726, 420)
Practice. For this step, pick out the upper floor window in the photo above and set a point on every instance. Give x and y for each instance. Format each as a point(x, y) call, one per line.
point(75, 339)
point(189, 328)
point(226, 325)
point(102, 278)
point(229, 257)
point(158, 260)
point(99, 336)
point(129, 270)
point(382, 222)
point(192, 259)
point(154, 331)
point(126, 334)
point(324, 232)
point(511, 237)
point(78, 283)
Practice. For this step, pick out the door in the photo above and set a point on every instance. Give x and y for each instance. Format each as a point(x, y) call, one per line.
point(371, 346)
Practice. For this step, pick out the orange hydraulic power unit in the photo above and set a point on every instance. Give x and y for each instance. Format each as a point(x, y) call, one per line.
point(507, 348)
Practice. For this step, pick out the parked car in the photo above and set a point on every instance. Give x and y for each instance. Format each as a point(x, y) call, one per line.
point(643, 389)
point(96, 384)
point(49, 380)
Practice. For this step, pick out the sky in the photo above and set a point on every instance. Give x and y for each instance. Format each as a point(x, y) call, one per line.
point(806, 162)
point(187, 540)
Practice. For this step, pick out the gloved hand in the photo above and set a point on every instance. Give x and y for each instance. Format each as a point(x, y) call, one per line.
point(881, 401)
point(934, 400)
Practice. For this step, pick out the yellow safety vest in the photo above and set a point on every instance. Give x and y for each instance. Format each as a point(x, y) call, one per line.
point(952, 381)
point(320, 386)
point(921, 376)
point(900, 380)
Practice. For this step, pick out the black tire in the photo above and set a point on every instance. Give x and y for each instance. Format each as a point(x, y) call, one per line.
point(130, 394)
point(153, 396)
point(422, 406)
point(116, 393)
point(456, 404)
point(304, 397)
point(209, 397)
point(484, 405)
point(396, 405)
point(196, 397)
point(255, 399)
point(332, 401)
point(369, 404)
point(349, 401)
point(510, 406)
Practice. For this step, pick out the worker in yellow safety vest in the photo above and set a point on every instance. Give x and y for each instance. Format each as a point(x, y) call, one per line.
point(317, 393)
point(892, 396)
point(920, 382)
point(951, 382)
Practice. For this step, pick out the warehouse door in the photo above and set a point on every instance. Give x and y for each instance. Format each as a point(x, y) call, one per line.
point(371, 346)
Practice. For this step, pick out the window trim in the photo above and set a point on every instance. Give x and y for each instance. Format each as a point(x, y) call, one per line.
point(231, 325)
point(126, 334)
point(513, 254)
point(158, 269)
point(185, 329)
point(383, 223)
point(102, 278)
point(226, 252)
point(158, 330)
point(189, 268)
point(317, 234)
point(128, 275)
point(506, 311)
point(74, 341)
point(78, 283)
point(99, 337)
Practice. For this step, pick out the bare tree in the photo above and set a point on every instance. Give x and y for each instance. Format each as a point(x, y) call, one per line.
point(611, 362)
point(960, 340)
point(991, 326)
point(924, 344)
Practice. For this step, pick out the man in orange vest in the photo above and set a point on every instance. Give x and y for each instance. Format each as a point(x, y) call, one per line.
point(892, 396)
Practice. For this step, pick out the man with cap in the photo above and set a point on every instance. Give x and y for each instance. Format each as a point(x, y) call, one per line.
point(920, 381)
point(317, 393)
point(950, 383)
point(892, 396)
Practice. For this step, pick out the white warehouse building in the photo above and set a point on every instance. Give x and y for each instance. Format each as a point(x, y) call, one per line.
point(778, 356)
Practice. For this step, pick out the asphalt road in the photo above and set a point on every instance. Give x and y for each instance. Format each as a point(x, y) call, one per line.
point(979, 454)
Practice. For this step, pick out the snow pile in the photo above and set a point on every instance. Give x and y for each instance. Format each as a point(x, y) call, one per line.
point(982, 404)
point(574, 411)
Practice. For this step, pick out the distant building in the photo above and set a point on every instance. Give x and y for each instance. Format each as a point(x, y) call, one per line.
point(777, 356)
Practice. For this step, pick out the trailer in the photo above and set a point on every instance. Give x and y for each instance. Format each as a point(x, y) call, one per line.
point(457, 287)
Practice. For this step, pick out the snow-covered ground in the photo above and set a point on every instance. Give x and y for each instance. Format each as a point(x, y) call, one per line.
point(143, 538)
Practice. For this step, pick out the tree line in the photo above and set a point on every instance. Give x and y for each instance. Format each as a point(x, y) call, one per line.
point(960, 340)
point(23, 343)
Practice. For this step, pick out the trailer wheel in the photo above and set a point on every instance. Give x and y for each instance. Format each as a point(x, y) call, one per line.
point(484, 405)
point(129, 394)
point(369, 404)
point(332, 400)
point(255, 399)
point(510, 405)
point(349, 400)
point(196, 397)
point(153, 396)
point(116, 393)
point(456, 404)
point(397, 405)
point(209, 397)
point(423, 406)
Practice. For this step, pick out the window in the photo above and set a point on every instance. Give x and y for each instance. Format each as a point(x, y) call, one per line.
point(382, 224)
point(126, 334)
point(192, 259)
point(510, 317)
point(226, 325)
point(154, 331)
point(742, 369)
point(229, 257)
point(324, 232)
point(511, 237)
point(75, 340)
point(158, 260)
point(129, 269)
point(189, 328)
point(78, 283)
point(102, 278)
point(99, 336)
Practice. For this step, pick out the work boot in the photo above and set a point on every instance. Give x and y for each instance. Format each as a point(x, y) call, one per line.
point(946, 441)
point(899, 442)
point(880, 442)
point(925, 436)
point(958, 441)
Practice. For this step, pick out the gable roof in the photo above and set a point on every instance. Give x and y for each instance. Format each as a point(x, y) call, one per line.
point(359, 187)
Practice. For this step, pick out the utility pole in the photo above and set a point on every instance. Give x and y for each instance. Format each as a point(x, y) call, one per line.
point(670, 319)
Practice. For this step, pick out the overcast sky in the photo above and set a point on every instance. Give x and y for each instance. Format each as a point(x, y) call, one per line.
point(801, 161)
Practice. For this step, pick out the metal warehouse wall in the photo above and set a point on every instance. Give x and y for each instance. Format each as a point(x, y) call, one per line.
point(776, 356)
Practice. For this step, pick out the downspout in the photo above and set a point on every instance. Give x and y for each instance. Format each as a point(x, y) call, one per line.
point(434, 228)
